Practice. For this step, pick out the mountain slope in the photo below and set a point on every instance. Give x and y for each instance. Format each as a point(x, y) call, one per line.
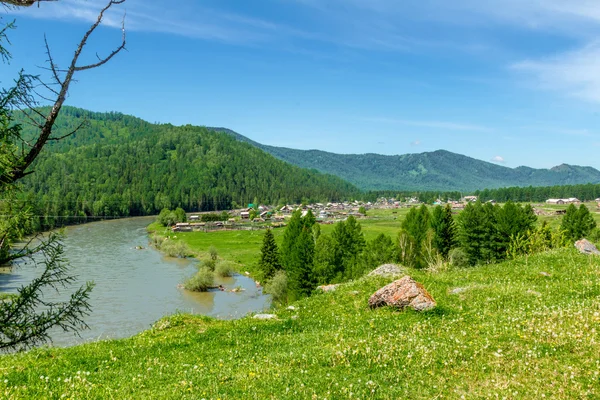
point(119, 166)
point(439, 170)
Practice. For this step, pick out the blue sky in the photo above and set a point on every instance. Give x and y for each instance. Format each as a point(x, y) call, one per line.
point(515, 82)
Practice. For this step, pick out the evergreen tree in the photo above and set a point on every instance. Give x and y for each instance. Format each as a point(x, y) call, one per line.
point(348, 242)
point(324, 261)
point(471, 231)
point(291, 234)
point(444, 229)
point(413, 235)
point(577, 223)
point(301, 280)
point(297, 254)
point(377, 252)
point(269, 256)
point(513, 220)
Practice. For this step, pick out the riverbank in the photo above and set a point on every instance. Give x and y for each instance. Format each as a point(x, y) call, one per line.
point(134, 285)
point(526, 328)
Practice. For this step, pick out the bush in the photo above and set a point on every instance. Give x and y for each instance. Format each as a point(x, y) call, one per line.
point(157, 241)
point(224, 269)
point(212, 251)
point(458, 257)
point(175, 248)
point(201, 282)
point(209, 264)
point(277, 287)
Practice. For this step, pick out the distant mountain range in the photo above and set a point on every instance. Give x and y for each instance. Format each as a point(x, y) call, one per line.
point(433, 171)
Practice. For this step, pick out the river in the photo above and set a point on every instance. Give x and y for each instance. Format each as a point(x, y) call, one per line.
point(134, 288)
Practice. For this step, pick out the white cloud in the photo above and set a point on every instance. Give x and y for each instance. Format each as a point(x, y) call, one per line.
point(498, 159)
point(575, 73)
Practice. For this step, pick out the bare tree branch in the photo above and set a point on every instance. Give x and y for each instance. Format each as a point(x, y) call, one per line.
point(46, 130)
point(85, 121)
point(53, 67)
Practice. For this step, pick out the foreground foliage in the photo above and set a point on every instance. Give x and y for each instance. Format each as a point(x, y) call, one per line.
point(507, 332)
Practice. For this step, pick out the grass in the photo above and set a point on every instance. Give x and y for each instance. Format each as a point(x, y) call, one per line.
point(511, 332)
point(243, 247)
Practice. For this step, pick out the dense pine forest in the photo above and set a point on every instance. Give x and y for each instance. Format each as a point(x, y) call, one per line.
point(117, 165)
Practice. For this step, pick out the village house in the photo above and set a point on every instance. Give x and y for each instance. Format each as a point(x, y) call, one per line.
point(182, 227)
point(470, 199)
point(245, 214)
point(571, 200)
point(194, 217)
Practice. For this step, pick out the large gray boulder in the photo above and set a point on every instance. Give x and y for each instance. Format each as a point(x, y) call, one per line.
point(387, 270)
point(405, 292)
point(586, 247)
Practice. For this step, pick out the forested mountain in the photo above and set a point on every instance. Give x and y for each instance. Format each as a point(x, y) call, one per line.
point(434, 171)
point(118, 165)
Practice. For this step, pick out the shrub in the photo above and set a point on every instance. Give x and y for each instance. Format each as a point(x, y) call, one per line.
point(277, 287)
point(175, 248)
point(224, 269)
point(212, 251)
point(458, 257)
point(157, 241)
point(201, 282)
point(209, 264)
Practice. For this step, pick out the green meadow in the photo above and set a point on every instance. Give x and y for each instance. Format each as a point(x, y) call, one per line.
point(527, 328)
point(524, 328)
point(243, 247)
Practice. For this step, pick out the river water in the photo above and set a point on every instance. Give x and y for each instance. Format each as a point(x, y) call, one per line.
point(134, 288)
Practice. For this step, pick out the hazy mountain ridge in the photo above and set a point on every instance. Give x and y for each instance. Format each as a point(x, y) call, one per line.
point(438, 170)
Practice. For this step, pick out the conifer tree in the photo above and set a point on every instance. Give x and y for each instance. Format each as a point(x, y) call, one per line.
point(297, 254)
point(301, 280)
point(269, 256)
point(444, 229)
point(577, 222)
point(413, 235)
point(348, 243)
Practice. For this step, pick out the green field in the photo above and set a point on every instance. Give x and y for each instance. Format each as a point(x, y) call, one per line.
point(511, 332)
point(243, 247)
point(525, 328)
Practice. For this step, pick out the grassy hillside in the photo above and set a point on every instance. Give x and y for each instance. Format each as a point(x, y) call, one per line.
point(508, 332)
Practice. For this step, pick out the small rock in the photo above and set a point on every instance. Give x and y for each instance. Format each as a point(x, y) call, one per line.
point(387, 270)
point(328, 288)
point(405, 292)
point(247, 273)
point(292, 308)
point(265, 316)
point(586, 247)
point(458, 290)
point(545, 274)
